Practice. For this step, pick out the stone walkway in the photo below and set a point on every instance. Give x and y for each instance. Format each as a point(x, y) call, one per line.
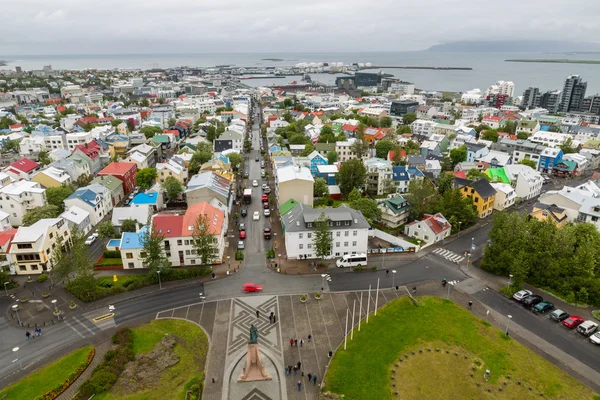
point(227, 323)
point(101, 350)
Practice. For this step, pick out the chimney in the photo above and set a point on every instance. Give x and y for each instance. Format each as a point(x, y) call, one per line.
point(137, 228)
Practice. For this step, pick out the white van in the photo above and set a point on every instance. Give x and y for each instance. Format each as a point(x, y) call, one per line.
point(352, 260)
point(587, 328)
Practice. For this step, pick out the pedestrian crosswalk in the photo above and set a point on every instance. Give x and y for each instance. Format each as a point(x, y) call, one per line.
point(448, 255)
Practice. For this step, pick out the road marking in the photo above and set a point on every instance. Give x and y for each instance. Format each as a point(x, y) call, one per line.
point(186, 313)
point(88, 329)
point(72, 327)
point(103, 317)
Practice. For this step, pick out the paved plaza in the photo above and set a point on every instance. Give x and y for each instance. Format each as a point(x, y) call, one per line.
point(227, 323)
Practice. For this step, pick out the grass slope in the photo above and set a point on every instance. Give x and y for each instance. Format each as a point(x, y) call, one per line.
point(364, 370)
point(39, 382)
point(192, 348)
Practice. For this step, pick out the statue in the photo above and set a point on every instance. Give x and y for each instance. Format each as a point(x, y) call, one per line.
point(253, 335)
point(254, 369)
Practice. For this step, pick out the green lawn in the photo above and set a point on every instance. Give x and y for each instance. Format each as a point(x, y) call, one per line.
point(110, 261)
point(39, 382)
point(192, 348)
point(364, 371)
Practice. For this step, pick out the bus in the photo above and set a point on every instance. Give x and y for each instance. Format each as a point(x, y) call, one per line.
point(247, 196)
point(352, 260)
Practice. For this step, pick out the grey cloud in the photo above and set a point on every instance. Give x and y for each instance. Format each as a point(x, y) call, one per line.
point(152, 26)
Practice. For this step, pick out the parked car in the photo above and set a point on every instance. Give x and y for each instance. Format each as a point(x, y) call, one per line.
point(265, 198)
point(96, 235)
point(573, 321)
point(559, 315)
point(256, 216)
point(587, 328)
point(256, 159)
point(532, 300)
point(90, 240)
point(252, 287)
point(242, 226)
point(595, 338)
point(255, 183)
point(242, 234)
point(267, 233)
point(268, 190)
point(241, 245)
point(543, 307)
point(265, 205)
point(521, 294)
point(267, 212)
point(244, 212)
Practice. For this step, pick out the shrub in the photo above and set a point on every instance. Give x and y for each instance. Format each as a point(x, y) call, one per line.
point(509, 290)
point(358, 268)
point(112, 254)
point(43, 278)
point(596, 314)
point(239, 255)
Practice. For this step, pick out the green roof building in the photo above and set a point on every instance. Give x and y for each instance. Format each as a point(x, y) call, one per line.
point(497, 175)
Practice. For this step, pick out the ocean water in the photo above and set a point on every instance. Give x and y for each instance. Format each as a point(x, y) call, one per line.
point(487, 67)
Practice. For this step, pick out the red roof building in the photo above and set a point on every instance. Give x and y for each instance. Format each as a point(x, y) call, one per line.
point(22, 169)
point(91, 149)
point(124, 171)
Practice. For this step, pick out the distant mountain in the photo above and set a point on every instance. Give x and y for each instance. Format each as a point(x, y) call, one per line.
point(504, 46)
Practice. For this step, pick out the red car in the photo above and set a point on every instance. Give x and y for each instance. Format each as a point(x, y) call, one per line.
point(242, 234)
point(252, 287)
point(265, 198)
point(573, 321)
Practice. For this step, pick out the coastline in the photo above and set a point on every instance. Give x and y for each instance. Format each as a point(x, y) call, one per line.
point(551, 60)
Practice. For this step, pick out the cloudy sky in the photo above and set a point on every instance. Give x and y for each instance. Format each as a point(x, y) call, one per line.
point(198, 26)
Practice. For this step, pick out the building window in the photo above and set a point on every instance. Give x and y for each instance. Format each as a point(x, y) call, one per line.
point(345, 244)
point(130, 265)
point(22, 268)
point(338, 234)
point(309, 246)
point(129, 256)
point(300, 236)
point(192, 261)
point(347, 233)
point(179, 242)
point(354, 244)
point(337, 244)
point(309, 235)
point(354, 233)
point(301, 246)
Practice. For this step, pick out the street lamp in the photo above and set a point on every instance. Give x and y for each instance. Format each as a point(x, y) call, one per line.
point(15, 349)
point(16, 309)
point(459, 224)
point(228, 262)
point(55, 307)
point(393, 277)
point(510, 279)
point(5, 289)
point(323, 282)
point(508, 324)
point(159, 282)
point(279, 260)
point(383, 258)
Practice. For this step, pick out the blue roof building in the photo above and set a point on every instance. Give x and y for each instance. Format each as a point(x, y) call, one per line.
point(153, 199)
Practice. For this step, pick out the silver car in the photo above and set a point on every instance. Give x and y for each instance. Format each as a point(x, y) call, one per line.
point(241, 245)
point(521, 294)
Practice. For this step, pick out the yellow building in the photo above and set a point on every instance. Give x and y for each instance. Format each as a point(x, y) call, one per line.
point(481, 193)
point(52, 177)
point(118, 148)
point(551, 212)
point(173, 169)
point(218, 167)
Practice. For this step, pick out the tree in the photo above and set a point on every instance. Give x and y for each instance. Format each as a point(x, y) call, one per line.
point(35, 214)
point(309, 148)
point(211, 133)
point(522, 135)
point(457, 209)
point(354, 195)
point(368, 208)
point(321, 189)
point(332, 157)
point(509, 127)
point(326, 135)
point(474, 174)
point(411, 147)
point(204, 240)
point(57, 195)
point(11, 145)
point(130, 125)
point(352, 175)
point(409, 118)
point(385, 122)
point(421, 197)
point(529, 163)
point(235, 159)
point(490, 134)
point(150, 131)
point(44, 158)
point(383, 147)
point(444, 182)
point(172, 188)
point(567, 147)
point(199, 158)
point(458, 154)
point(322, 238)
point(287, 103)
point(72, 257)
point(83, 180)
point(106, 230)
point(153, 256)
point(145, 178)
point(129, 225)
point(482, 127)
point(402, 129)
point(62, 265)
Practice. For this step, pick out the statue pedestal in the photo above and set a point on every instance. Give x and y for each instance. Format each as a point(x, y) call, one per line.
point(254, 369)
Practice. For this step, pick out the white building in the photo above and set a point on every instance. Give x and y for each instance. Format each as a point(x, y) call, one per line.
point(349, 231)
point(294, 182)
point(502, 87)
point(505, 196)
point(95, 199)
point(379, 176)
point(550, 139)
point(423, 127)
point(431, 229)
point(78, 217)
point(526, 181)
point(33, 246)
point(20, 197)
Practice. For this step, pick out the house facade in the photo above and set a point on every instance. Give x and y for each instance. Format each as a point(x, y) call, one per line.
point(431, 229)
point(19, 197)
point(294, 182)
point(95, 200)
point(394, 211)
point(124, 171)
point(114, 186)
point(481, 193)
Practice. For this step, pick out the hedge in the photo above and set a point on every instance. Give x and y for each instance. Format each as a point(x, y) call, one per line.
point(112, 254)
point(106, 373)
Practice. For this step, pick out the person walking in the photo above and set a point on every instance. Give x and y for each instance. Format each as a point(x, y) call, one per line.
point(309, 376)
point(414, 290)
point(274, 319)
point(314, 379)
point(295, 368)
point(257, 314)
point(299, 385)
point(296, 342)
point(330, 353)
point(291, 342)
point(289, 369)
point(309, 338)
point(387, 272)
point(299, 364)
point(301, 342)
point(28, 336)
point(470, 304)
